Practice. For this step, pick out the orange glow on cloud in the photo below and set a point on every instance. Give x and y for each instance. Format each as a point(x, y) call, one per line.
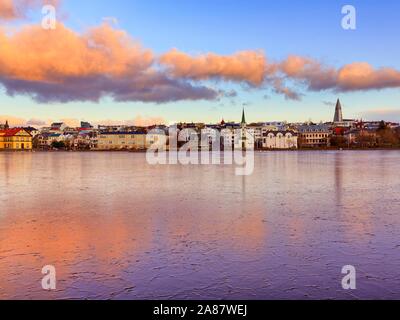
point(36, 54)
point(249, 66)
point(362, 76)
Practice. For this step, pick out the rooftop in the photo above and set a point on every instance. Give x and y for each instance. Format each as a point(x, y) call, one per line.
point(11, 132)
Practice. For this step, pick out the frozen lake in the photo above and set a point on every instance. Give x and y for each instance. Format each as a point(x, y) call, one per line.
point(117, 228)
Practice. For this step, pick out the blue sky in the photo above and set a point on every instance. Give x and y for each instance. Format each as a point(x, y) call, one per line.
point(280, 28)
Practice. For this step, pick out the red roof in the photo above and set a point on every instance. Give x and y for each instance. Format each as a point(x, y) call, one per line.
point(10, 132)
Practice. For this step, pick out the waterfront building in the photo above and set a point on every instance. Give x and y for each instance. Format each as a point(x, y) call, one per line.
point(157, 136)
point(41, 140)
point(81, 141)
point(258, 130)
point(311, 136)
point(210, 138)
point(187, 135)
point(122, 141)
point(227, 138)
point(15, 139)
point(280, 140)
point(94, 139)
point(274, 135)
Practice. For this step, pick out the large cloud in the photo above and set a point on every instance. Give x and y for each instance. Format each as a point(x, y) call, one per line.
point(351, 77)
point(362, 76)
point(62, 65)
point(35, 54)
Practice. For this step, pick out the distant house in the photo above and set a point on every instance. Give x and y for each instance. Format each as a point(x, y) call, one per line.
point(15, 139)
point(55, 137)
point(42, 140)
point(86, 125)
point(45, 139)
point(33, 131)
point(58, 126)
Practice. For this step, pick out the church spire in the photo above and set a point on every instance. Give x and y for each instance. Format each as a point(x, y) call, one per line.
point(338, 112)
point(6, 125)
point(243, 118)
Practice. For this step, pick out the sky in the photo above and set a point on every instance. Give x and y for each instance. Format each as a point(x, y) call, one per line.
point(185, 60)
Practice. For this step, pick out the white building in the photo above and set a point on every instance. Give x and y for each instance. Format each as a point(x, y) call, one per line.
point(280, 140)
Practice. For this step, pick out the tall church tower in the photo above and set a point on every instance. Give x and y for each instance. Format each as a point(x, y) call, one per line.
point(243, 123)
point(338, 112)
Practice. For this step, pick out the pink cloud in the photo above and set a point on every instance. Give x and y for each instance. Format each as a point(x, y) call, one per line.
point(245, 66)
point(362, 76)
point(313, 73)
point(351, 77)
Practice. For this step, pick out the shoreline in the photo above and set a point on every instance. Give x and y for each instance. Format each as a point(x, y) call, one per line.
point(256, 151)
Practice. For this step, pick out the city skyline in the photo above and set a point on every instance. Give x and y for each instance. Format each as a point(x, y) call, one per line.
point(149, 122)
point(257, 38)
